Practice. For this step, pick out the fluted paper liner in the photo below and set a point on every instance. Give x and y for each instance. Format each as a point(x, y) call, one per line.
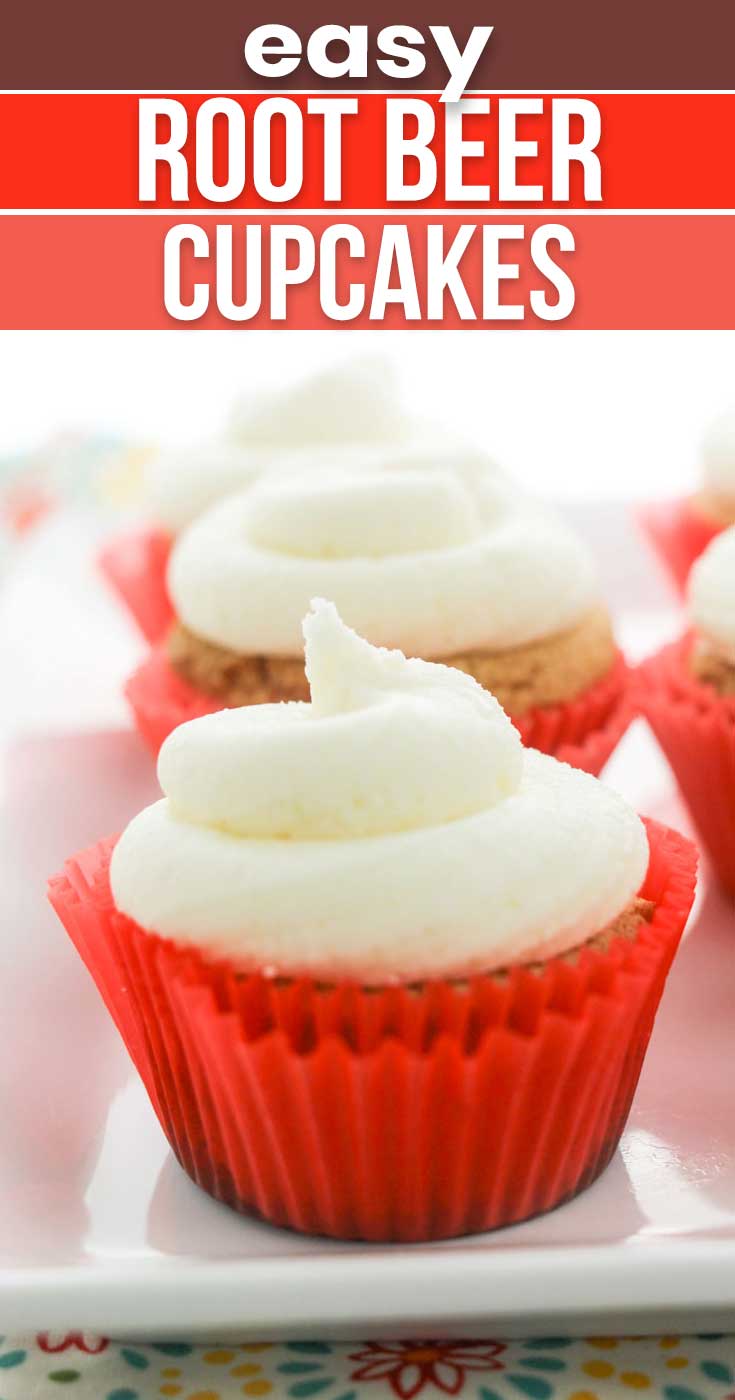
point(695, 727)
point(135, 566)
point(401, 1113)
point(161, 700)
point(582, 732)
point(679, 533)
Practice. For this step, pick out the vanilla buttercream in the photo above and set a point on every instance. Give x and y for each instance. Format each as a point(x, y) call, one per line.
point(349, 415)
point(391, 830)
point(355, 400)
point(417, 555)
point(181, 484)
point(712, 594)
point(718, 457)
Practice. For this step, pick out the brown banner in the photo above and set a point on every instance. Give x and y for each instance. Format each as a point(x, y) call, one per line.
point(536, 44)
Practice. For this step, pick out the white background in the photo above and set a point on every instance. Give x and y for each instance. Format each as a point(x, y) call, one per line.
point(577, 413)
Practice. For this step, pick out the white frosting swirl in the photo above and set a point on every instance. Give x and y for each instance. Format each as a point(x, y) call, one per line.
point(347, 416)
point(718, 456)
point(354, 401)
point(417, 555)
point(393, 829)
point(712, 593)
point(181, 485)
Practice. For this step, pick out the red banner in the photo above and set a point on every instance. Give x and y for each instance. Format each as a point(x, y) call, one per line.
point(662, 151)
point(637, 272)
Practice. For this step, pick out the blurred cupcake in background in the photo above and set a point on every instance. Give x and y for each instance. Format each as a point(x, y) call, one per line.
point(715, 502)
point(351, 407)
point(354, 402)
point(428, 551)
point(385, 973)
point(687, 693)
point(680, 530)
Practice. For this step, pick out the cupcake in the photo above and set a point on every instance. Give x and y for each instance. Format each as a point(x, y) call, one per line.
point(680, 530)
point(386, 974)
point(687, 693)
point(353, 407)
point(452, 564)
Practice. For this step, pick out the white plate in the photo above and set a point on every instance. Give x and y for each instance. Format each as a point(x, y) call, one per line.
point(102, 1229)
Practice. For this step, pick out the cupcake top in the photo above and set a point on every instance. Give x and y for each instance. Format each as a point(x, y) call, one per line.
point(712, 594)
point(354, 401)
point(394, 829)
point(427, 550)
point(181, 485)
point(718, 456)
point(354, 406)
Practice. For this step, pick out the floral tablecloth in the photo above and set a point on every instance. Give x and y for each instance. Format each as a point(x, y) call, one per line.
point(83, 1367)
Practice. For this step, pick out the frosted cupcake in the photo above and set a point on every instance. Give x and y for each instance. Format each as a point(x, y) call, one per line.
point(680, 530)
point(351, 408)
point(385, 973)
point(687, 693)
point(453, 565)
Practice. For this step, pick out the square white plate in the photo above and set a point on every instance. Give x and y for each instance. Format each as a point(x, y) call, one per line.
point(101, 1228)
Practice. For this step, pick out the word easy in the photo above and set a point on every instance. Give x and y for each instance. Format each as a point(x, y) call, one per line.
point(275, 51)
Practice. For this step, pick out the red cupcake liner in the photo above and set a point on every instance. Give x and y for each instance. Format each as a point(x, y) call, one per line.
point(696, 730)
point(135, 565)
point(161, 700)
point(583, 732)
point(679, 533)
point(393, 1113)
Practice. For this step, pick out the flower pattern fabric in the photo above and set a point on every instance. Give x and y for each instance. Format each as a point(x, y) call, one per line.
point(410, 1367)
point(60, 1341)
point(79, 1366)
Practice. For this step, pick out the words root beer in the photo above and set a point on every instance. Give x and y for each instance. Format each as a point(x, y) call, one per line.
point(476, 151)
